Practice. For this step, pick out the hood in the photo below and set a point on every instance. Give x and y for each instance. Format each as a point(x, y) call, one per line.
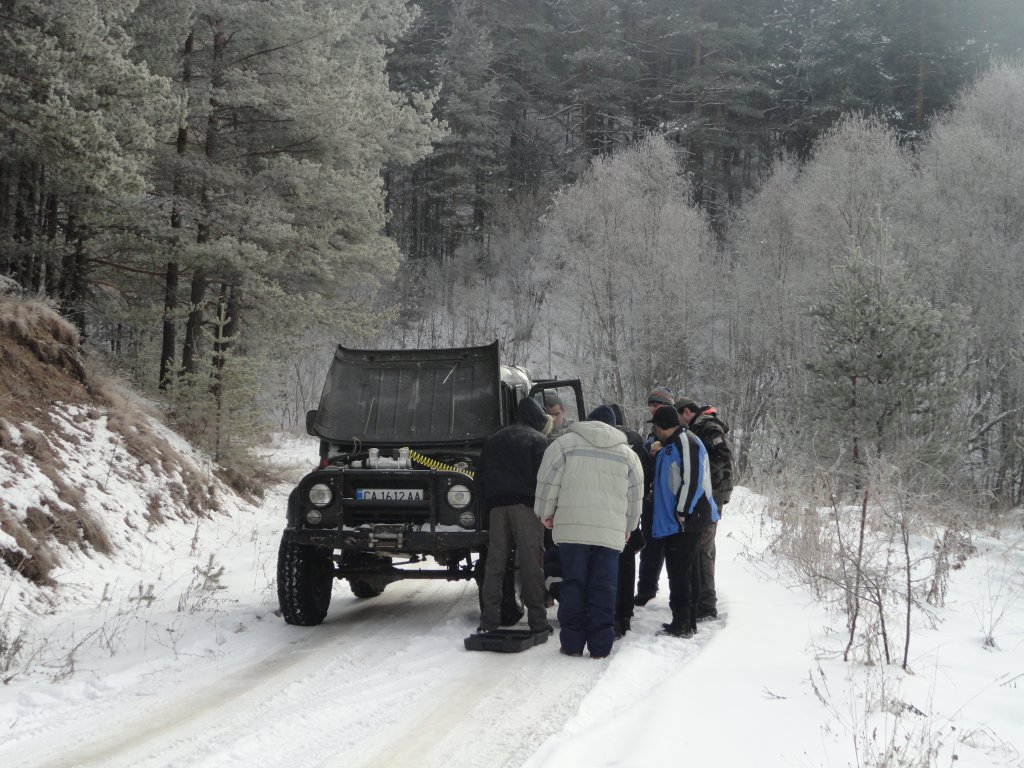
point(414, 397)
point(711, 414)
point(530, 414)
point(598, 433)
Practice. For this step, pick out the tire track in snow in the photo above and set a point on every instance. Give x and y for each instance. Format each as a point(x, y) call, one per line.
point(504, 705)
point(349, 659)
point(498, 718)
point(382, 682)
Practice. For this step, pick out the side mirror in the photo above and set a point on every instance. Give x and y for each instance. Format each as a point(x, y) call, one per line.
point(310, 421)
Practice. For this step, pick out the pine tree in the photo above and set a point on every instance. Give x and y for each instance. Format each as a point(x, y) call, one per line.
point(268, 217)
point(725, 119)
point(830, 64)
point(76, 115)
point(444, 202)
point(270, 177)
point(883, 377)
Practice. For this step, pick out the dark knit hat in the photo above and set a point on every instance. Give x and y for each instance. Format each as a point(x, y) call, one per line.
point(686, 402)
point(665, 417)
point(661, 395)
point(619, 418)
point(603, 413)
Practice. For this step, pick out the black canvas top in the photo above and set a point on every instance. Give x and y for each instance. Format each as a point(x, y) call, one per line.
point(414, 397)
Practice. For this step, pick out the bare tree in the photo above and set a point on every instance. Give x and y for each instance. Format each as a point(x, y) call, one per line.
point(630, 250)
point(965, 242)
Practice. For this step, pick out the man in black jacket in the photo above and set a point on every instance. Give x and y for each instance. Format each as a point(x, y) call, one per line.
point(705, 422)
point(627, 560)
point(507, 478)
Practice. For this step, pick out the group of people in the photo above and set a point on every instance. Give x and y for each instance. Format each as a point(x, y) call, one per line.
point(604, 494)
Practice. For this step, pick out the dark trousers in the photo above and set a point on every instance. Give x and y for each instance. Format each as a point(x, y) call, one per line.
point(586, 600)
point(514, 527)
point(652, 556)
point(624, 590)
point(682, 552)
point(707, 603)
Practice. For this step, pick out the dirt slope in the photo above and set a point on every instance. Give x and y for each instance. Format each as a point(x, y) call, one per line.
point(56, 418)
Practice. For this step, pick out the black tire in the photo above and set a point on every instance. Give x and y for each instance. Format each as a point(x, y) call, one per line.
point(363, 590)
point(305, 576)
point(511, 606)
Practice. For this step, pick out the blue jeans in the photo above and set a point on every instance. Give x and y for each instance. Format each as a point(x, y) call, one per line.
point(586, 603)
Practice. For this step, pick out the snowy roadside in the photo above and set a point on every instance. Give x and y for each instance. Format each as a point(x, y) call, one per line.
point(173, 656)
point(770, 688)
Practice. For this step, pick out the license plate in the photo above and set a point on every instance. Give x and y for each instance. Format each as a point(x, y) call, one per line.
point(389, 494)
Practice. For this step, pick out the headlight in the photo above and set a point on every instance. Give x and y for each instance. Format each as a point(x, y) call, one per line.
point(313, 517)
point(320, 495)
point(459, 497)
point(467, 519)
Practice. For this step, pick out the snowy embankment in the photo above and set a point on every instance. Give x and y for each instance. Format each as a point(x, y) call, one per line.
point(170, 653)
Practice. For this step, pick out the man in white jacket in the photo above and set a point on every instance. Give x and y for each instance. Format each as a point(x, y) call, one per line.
point(589, 490)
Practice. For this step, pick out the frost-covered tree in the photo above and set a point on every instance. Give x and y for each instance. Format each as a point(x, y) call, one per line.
point(272, 172)
point(76, 117)
point(855, 168)
point(766, 334)
point(210, 170)
point(884, 375)
point(627, 249)
point(805, 216)
point(265, 215)
point(785, 242)
point(471, 303)
point(966, 244)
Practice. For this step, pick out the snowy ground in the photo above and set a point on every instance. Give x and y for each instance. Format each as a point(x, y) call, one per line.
point(164, 659)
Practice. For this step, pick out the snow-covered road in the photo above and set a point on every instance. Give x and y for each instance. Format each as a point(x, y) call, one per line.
point(215, 678)
point(173, 655)
point(382, 682)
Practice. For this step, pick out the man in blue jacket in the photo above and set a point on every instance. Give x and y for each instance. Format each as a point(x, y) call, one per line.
point(652, 558)
point(683, 509)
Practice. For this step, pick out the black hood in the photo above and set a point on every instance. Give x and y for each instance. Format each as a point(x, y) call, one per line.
point(531, 414)
point(413, 397)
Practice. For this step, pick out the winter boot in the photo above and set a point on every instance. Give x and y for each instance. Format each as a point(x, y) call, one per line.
point(673, 630)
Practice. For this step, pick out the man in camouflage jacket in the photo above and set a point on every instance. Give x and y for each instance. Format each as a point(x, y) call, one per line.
point(705, 422)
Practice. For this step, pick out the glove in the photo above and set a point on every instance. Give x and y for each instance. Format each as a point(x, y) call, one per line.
point(636, 541)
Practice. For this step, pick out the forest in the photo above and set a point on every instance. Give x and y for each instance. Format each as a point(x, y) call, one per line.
point(806, 212)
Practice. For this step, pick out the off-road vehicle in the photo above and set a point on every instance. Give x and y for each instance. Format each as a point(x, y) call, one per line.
point(400, 433)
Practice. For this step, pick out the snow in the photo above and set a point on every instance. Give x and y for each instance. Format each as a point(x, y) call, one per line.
point(171, 654)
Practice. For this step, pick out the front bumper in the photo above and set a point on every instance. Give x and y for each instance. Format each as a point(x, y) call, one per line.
point(385, 539)
point(424, 526)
